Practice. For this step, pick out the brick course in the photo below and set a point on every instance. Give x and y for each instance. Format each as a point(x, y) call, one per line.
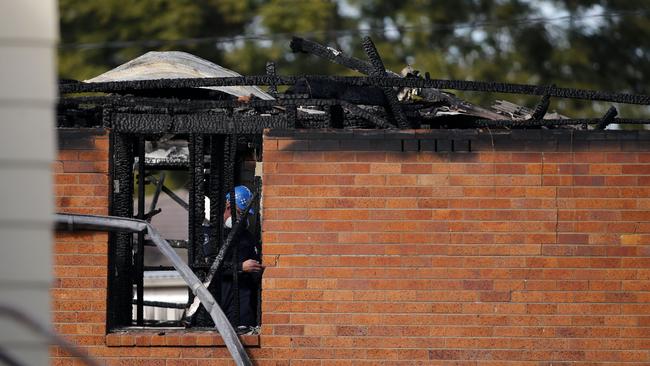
point(515, 248)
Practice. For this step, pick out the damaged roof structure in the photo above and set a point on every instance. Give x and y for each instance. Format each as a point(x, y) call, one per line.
point(187, 94)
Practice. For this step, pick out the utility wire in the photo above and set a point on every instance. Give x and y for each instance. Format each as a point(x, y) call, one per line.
point(342, 32)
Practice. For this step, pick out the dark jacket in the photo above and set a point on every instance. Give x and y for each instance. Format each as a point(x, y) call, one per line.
point(243, 247)
point(244, 311)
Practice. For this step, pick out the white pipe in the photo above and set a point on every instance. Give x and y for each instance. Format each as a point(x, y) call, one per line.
point(110, 223)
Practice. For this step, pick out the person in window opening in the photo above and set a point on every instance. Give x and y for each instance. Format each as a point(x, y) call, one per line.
point(243, 256)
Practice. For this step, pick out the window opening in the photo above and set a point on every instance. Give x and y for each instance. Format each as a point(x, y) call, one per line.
point(179, 183)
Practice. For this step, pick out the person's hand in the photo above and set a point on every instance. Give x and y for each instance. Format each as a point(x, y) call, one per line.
point(251, 265)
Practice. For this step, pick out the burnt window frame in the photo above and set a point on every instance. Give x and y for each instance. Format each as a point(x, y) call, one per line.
point(214, 155)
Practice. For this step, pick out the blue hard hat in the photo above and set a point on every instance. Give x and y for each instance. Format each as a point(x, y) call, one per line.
point(243, 196)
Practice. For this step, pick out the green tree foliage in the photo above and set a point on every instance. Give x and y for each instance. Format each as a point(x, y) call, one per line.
point(316, 19)
point(574, 43)
point(99, 35)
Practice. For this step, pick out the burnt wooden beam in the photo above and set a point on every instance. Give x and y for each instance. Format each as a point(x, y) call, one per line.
point(378, 70)
point(306, 46)
point(607, 118)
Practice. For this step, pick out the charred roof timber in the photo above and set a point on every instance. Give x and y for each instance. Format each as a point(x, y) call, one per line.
point(382, 99)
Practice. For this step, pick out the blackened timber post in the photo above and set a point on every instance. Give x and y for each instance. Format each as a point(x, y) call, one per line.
point(196, 213)
point(139, 255)
point(120, 278)
point(270, 71)
point(216, 191)
point(232, 162)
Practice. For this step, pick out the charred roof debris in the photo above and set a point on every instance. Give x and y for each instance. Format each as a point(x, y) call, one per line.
point(174, 92)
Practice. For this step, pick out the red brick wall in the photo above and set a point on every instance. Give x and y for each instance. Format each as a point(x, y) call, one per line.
point(533, 248)
point(80, 258)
